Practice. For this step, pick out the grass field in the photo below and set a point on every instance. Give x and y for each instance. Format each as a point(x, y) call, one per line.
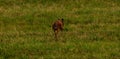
point(92, 29)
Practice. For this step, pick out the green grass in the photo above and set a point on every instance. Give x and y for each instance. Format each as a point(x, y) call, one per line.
point(92, 29)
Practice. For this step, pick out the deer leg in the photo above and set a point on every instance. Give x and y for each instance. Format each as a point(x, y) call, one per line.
point(56, 35)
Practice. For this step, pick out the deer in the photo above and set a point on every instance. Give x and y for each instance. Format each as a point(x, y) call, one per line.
point(57, 26)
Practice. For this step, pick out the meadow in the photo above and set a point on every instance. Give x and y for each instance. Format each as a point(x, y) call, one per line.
point(91, 31)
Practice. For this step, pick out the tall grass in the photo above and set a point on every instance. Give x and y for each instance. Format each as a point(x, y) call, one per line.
point(91, 29)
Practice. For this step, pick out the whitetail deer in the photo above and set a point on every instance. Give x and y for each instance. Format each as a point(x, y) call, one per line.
point(57, 26)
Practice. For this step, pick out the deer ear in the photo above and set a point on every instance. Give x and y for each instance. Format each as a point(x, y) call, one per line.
point(62, 19)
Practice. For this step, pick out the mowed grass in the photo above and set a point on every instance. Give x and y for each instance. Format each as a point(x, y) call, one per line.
point(92, 29)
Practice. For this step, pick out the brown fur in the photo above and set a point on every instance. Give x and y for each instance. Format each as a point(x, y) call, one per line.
point(57, 26)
